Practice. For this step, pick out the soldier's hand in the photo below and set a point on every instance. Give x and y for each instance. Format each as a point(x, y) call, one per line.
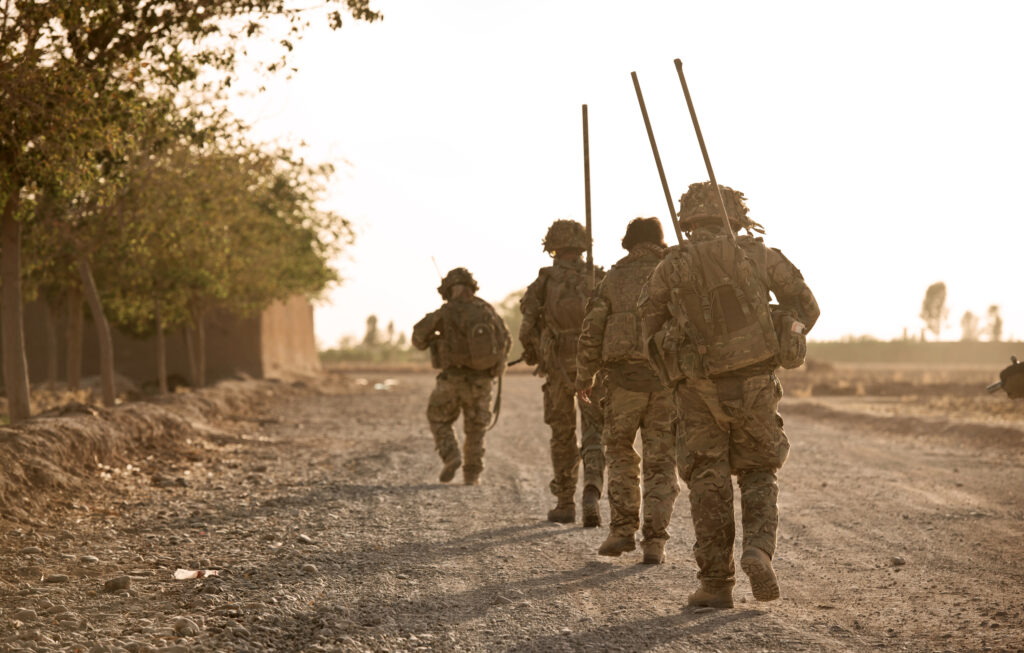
point(530, 356)
point(584, 394)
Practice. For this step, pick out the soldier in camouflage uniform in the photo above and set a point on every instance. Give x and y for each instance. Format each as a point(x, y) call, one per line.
point(730, 421)
point(468, 342)
point(553, 308)
point(634, 399)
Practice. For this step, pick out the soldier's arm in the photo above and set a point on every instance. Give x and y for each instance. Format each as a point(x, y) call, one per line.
point(588, 351)
point(786, 281)
point(655, 295)
point(426, 329)
point(530, 306)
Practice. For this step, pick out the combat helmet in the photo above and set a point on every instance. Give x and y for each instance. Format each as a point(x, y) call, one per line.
point(699, 204)
point(455, 277)
point(566, 234)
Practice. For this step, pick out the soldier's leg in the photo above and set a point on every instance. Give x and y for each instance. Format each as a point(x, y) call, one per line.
point(560, 415)
point(658, 436)
point(703, 460)
point(621, 420)
point(591, 431)
point(442, 411)
point(759, 448)
point(476, 398)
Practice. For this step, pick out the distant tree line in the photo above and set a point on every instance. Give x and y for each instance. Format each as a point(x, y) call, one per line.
point(392, 346)
point(934, 315)
point(124, 188)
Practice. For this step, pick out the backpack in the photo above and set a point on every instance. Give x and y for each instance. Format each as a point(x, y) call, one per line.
point(565, 301)
point(621, 287)
point(469, 336)
point(724, 306)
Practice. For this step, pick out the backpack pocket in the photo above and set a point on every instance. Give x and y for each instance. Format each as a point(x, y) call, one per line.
point(621, 337)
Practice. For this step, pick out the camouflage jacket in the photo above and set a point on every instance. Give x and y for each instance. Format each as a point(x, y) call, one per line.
point(553, 308)
point(611, 335)
point(781, 277)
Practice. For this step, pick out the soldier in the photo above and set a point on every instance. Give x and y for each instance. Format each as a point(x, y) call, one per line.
point(468, 342)
point(634, 399)
point(553, 309)
point(711, 333)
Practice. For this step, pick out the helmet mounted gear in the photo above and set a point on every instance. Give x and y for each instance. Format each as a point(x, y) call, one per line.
point(699, 204)
point(566, 234)
point(456, 277)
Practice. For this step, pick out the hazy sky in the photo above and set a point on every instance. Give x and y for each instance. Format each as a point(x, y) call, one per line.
point(880, 143)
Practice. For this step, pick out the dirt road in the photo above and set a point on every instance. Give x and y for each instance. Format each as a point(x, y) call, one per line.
point(325, 519)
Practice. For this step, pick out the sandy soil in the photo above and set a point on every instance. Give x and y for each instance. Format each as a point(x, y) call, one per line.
point(321, 511)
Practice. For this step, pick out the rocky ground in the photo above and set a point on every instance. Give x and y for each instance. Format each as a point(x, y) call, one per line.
point(318, 507)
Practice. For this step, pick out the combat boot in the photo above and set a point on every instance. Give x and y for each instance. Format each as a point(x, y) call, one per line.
point(758, 567)
point(470, 477)
point(654, 552)
point(712, 594)
point(448, 471)
point(563, 513)
point(591, 507)
point(616, 545)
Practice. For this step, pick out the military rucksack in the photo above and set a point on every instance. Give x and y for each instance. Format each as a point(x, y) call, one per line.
point(724, 306)
point(565, 301)
point(469, 336)
point(621, 287)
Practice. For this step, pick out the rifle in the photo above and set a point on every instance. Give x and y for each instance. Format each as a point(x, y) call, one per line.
point(586, 191)
point(657, 159)
point(704, 150)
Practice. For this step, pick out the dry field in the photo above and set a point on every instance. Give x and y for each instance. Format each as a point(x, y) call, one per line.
point(318, 505)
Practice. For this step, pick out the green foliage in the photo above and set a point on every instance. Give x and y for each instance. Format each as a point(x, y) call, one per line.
point(509, 311)
point(375, 348)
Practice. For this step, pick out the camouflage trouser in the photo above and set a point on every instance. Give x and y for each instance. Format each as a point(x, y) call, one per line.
point(560, 415)
point(731, 428)
point(654, 414)
point(471, 394)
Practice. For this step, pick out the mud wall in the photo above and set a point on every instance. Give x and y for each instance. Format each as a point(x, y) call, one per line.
point(277, 342)
point(996, 354)
point(287, 342)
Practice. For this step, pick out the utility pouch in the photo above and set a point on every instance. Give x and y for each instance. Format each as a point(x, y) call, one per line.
point(792, 338)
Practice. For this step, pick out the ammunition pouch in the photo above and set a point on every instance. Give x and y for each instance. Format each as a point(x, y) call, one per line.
point(792, 338)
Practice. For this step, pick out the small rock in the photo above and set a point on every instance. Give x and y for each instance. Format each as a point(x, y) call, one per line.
point(897, 561)
point(25, 615)
point(56, 578)
point(566, 631)
point(117, 584)
point(68, 556)
point(31, 551)
point(185, 627)
point(305, 539)
point(88, 560)
point(309, 569)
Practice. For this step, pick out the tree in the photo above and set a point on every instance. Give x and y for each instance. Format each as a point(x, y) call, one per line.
point(71, 73)
point(933, 309)
point(994, 324)
point(969, 327)
point(372, 336)
point(509, 311)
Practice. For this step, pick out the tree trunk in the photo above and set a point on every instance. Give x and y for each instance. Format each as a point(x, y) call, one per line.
point(190, 353)
point(102, 332)
point(201, 348)
point(13, 326)
point(161, 349)
point(73, 359)
point(51, 345)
